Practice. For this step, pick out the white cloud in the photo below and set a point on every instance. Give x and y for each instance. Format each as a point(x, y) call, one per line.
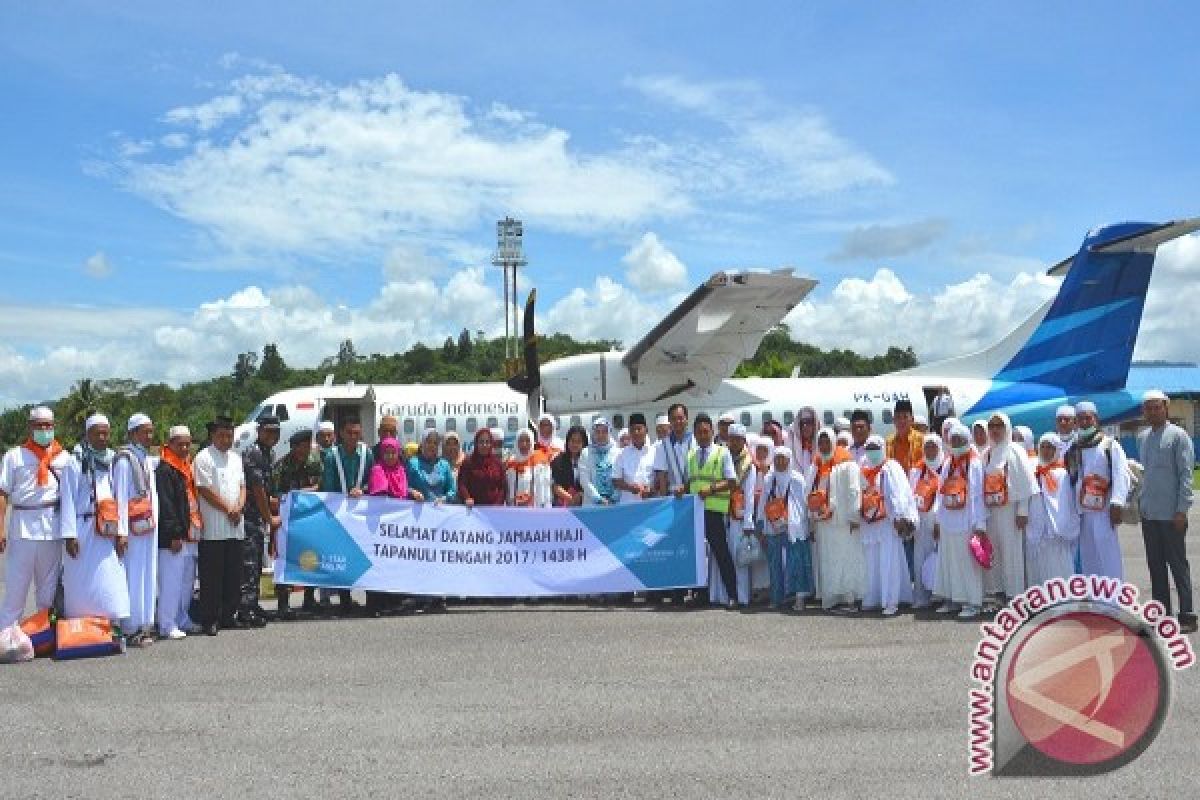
point(762, 150)
point(279, 162)
point(308, 166)
point(1168, 329)
point(651, 267)
point(98, 266)
point(606, 310)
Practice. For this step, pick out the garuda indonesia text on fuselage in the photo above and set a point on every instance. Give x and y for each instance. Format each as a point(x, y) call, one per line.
point(1078, 344)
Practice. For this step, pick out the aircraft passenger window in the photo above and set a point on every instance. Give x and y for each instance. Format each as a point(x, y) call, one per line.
point(513, 424)
point(472, 425)
point(788, 416)
point(747, 419)
point(847, 414)
point(281, 412)
point(492, 422)
point(575, 420)
point(618, 421)
point(827, 417)
point(451, 424)
point(409, 426)
point(766, 417)
point(870, 416)
point(430, 423)
point(887, 417)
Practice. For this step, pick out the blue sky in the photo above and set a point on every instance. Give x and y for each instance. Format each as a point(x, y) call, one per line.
point(184, 185)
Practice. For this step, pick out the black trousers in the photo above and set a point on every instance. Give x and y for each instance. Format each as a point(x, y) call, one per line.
point(252, 564)
point(220, 570)
point(1166, 549)
point(718, 547)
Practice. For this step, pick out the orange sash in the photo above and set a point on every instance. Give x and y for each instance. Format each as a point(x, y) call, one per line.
point(1045, 476)
point(44, 456)
point(184, 468)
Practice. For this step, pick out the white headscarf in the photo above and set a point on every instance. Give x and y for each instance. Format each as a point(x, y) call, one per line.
point(1025, 434)
point(517, 456)
point(779, 480)
point(941, 451)
point(1020, 472)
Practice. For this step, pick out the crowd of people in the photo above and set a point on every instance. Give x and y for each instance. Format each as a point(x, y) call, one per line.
point(950, 519)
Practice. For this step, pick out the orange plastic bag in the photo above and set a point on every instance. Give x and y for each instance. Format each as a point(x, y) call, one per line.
point(954, 493)
point(1095, 493)
point(873, 509)
point(995, 489)
point(818, 504)
point(926, 491)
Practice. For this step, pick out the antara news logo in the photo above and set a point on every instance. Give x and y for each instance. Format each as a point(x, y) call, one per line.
point(1072, 677)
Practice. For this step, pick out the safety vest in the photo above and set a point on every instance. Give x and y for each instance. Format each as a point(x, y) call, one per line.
point(706, 474)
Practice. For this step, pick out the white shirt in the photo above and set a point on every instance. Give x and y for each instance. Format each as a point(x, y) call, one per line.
point(18, 480)
point(222, 473)
point(635, 466)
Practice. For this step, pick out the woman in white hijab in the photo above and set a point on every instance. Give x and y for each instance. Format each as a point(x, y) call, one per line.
point(1007, 486)
point(785, 523)
point(527, 474)
point(834, 497)
point(889, 514)
point(1054, 520)
point(960, 513)
point(979, 436)
point(548, 440)
point(801, 437)
point(925, 481)
point(1024, 435)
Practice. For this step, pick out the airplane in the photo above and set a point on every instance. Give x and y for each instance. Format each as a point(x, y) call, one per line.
point(1079, 344)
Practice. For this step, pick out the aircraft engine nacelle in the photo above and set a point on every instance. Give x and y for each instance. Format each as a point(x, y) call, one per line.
point(590, 381)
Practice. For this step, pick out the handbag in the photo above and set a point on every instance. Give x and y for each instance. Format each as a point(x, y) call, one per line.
point(749, 551)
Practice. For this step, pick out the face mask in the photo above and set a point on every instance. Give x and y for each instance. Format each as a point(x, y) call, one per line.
point(43, 438)
point(1088, 431)
point(875, 457)
point(960, 449)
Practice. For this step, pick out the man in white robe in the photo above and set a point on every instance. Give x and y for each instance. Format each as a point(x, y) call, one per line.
point(740, 526)
point(1053, 525)
point(835, 495)
point(925, 481)
point(31, 540)
point(1064, 428)
point(1100, 478)
point(94, 582)
point(1008, 485)
point(960, 514)
point(133, 479)
point(884, 527)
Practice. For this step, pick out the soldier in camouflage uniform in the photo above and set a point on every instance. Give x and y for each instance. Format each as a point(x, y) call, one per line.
point(259, 518)
point(299, 470)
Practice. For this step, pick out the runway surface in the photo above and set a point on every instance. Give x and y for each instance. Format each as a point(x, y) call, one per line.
point(541, 701)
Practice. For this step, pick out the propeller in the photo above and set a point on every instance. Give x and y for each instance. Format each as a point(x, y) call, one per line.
point(530, 380)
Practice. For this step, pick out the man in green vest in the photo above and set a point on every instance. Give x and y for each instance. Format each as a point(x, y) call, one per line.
point(711, 476)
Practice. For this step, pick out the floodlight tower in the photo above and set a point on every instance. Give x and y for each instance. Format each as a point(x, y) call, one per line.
point(509, 256)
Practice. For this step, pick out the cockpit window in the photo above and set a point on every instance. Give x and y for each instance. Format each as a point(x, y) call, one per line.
point(281, 412)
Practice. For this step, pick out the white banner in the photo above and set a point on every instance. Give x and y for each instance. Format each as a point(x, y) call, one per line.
point(382, 544)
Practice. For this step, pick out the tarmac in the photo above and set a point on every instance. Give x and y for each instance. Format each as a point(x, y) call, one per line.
point(543, 701)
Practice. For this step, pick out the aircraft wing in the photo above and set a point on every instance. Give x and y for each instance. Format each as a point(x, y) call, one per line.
point(719, 325)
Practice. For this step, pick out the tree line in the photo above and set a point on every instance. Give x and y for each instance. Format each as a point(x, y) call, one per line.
point(463, 359)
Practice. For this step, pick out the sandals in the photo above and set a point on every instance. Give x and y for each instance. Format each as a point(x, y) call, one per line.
point(140, 639)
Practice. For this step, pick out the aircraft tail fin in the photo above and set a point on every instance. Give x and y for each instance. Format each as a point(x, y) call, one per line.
point(1081, 340)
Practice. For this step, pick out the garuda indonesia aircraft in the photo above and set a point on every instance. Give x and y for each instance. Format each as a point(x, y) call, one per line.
point(1078, 344)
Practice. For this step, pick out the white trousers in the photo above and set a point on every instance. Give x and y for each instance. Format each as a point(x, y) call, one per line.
point(923, 547)
point(176, 577)
point(141, 563)
point(28, 561)
point(1099, 548)
point(888, 583)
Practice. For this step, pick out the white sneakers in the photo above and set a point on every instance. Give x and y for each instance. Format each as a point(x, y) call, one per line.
point(968, 612)
point(175, 634)
point(945, 608)
point(891, 611)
